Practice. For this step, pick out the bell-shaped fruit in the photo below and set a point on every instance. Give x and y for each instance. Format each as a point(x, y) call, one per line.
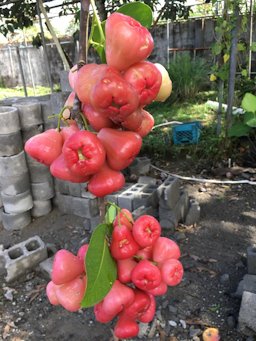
point(124, 217)
point(171, 271)
point(139, 305)
point(147, 124)
point(127, 41)
point(146, 275)
point(124, 269)
point(66, 267)
point(96, 120)
point(145, 253)
point(166, 85)
point(126, 327)
point(45, 147)
point(117, 299)
point(123, 244)
point(60, 170)
point(149, 314)
point(165, 248)
point(70, 294)
point(106, 181)
point(146, 230)
point(84, 153)
point(160, 290)
point(146, 79)
point(133, 121)
point(51, 293)
point(121, 146)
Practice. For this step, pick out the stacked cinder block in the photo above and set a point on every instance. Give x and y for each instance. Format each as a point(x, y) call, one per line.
point(20, 258)
point(247, 291)
point(14, 176)
point(41, 182)
point(73, 198)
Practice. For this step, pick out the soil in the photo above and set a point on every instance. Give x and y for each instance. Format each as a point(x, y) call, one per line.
point(214, 259)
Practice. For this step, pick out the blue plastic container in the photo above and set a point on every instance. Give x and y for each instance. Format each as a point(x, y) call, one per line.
point(186, 133)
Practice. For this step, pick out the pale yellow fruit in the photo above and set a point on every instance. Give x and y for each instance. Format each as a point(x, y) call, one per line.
point(166, 86)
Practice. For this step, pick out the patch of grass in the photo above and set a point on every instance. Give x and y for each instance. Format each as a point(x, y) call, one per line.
point(19, 91)
point(159, 144)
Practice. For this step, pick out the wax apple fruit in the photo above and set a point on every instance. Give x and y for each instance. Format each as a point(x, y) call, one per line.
point(70, 294)
point(139, 306)
point(96, 120)
point(123, 245)
point(127, 41)
point(118, 297)
point(60, 170)
point(124, 217)
point(165, 248)
point(66, 267)
point(124, 269)
point(146, 230)
point(51, 294)
point(171, 271)
point(45, 147)
point(84, 153)
point(146, 79)
point(113, 96)
point(166, 85)
point(146, 275)
point(126, 327)
point(148, 315)
point(106, 181)
point(121, 146)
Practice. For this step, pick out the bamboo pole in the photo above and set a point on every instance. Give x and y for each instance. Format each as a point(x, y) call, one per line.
point(54, 36)
point(21, 71)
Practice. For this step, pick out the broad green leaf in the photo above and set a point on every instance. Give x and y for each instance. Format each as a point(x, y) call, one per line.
point(239, 129)
point(249, 102)
point(138, 11)
point(241, 47)
point(97, 40)
point(110, 214)
point(250, 119)
point(100, 267)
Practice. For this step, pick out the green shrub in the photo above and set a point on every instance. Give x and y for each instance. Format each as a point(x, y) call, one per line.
point(189, 76)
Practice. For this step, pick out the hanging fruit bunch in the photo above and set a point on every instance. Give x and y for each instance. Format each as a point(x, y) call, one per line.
point(127, 262)
point(136, 266)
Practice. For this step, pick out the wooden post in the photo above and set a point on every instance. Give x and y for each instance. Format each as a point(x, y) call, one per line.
point(46, 59)
point(21, 71)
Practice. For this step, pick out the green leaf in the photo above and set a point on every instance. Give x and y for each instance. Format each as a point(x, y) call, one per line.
point(244, 73)
point(250, 119)
point(239, 129)
point(241, 47)
point(100, 267)
point(110, 214)
point(249, 102)
point(97, 40)
point(138, 11)
point(253, 47)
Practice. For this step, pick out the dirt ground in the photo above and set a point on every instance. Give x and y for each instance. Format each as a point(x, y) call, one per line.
point(214, 259)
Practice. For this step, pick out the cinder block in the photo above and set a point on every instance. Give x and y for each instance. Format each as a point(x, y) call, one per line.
point(41, 208)
point(13, 185)
point(74, 189)
point(9, 119)
point(251, 260)
point(193, 215)
point(32, 131)
point(29, 113)
point(61, 186)
point(148, 180)
point(126, 198)
point(113, 197)
point(23, 257)
point(18, 221)
point(11, 144)
point(142, 210)
point(45, 267)
point(64, 203)
point(248, 283)
point(14, 165)
point(247, 314)
point(169, 192)
point(84, 207)
point(167, 224)
point(17, 203)
point(42, 191)
point(140, 166)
